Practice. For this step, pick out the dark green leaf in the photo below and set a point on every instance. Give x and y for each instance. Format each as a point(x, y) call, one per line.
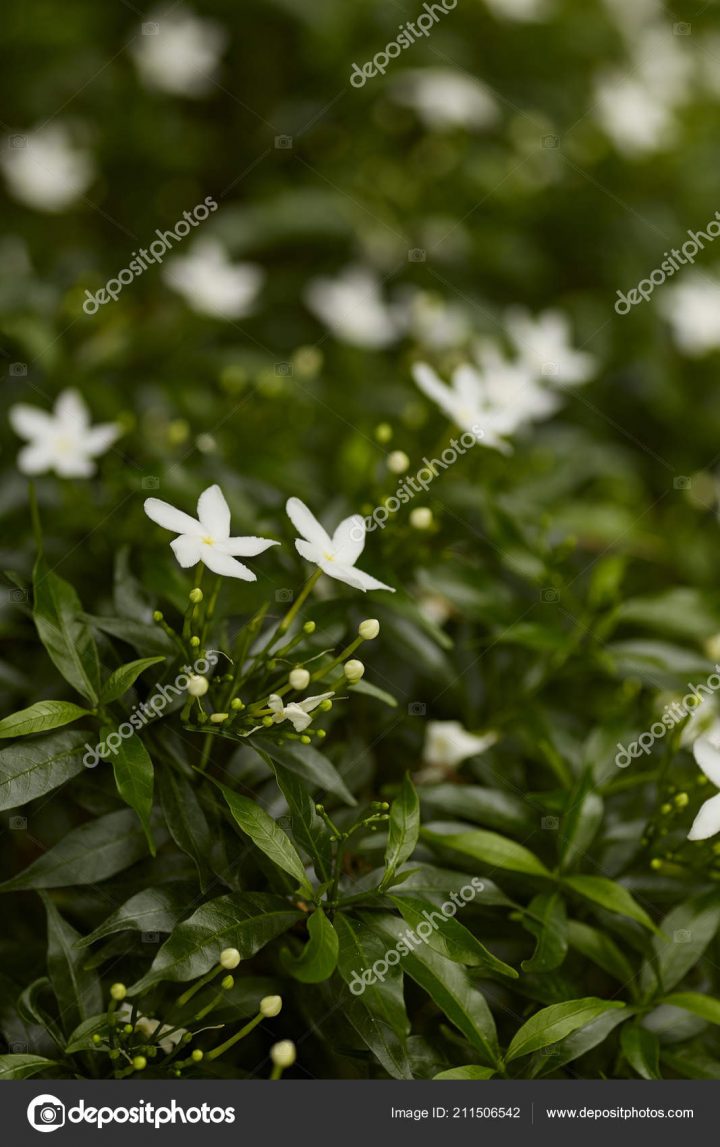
point(470, 1071)
point(403, 829)
point(577, 1043)
point(579, 827)
point(602, 950)
point(64, 632)
point(268, 836)
point(186, 821)
point(152, 910)
point(41, 717)
point(319, 957)
point(552, 1024)
point(490, 848)
point(134, 777)
point(641, 1049)
point(610, 895)
point(24, 1066)
point(30, 770)
point(123, 678)
point(704, 1006)
point(78, 991)
point(307, 763)
point(683, 937)
point(448, 936)
point(309, 831)
point(547, 920)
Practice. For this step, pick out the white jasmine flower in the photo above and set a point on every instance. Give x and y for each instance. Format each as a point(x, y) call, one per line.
point(335, 556)
point(63, 441)
point(297, 712)
point(445, 98)
point(447, 743)
point(706, 751)
point(353, 308)
point(153, 1029)
point(433, 321)
point(637, 118)
point(210, 284)
point(543, 345)
point(45, 170)
point(521, 10)
point(207, 538)
point(691, 307)
point(182, 55)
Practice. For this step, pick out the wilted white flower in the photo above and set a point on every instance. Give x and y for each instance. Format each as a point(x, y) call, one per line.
point(45, 170)
point(706, 751)
point(210, 284)
point(296, 712)
point(63, 441)
point(448, 743)
point(178, 52)
point(691, 307)
point(446, 98)
point(352, 307)
point(335, 556)
point(543, 345)
point(207, 538)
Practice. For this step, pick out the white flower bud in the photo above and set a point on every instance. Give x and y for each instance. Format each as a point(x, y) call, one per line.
point(421, 518)
point(299, 678)
point(218, 718)
point(283, 1054)
point(270, 1005)
point(229, 958)
point(398, 462)
point(369, 629)
point(354, 670)
point(197, 686)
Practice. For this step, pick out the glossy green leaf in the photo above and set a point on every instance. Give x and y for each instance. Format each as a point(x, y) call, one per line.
point(80, 1039)
point(24, 1066)
point(186, 821)
point(268, 836)
point(448, 936)
point(469, 1071)
point(641, 1048)
point(64, 632)
point(579, 1042)
point(88, 854)
point(152, 910)
point(41, 717)
point(579, 827)
point(77, 990)
point(28, 771)
point(134, 777)
point(403, 829)
point(547, 920)
point(123, 678)
point(610, 895)
point(319, 957)
point(554, 1023)
point(489, 848)
point(602, 950)
point(706, 1007)
point(307, 763)
point(309, 831)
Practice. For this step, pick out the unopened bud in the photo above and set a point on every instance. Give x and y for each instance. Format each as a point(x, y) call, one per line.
point(197, 686)
point(227, 983)
point(369, 629)
point(236, 704)
point(421, 518)
point(118, 991)
point(197, 1055)
point(353, 670)
point(195, 642)
point(229, 958)
point(398, 462)
point(270, 1006)
point(299, 678)
point(218, 718)
point(283, 1054)
point(196, 595)
point(309, 627)
point(157, 615)
point(383, 432)
point(139, 1063)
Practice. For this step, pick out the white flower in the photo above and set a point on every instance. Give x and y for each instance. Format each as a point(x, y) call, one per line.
point(445, 98)
point(706, 751)
point(353, 308)
point(207, 538)
point(297, 712)
point(519, 9)
point(432, 321)
point(633, 115)
point(543, 345)
point(448, 743)
point(181, 57)
point(153, 1029)
point(691, 307)
point(45, 170)
point(335, 556)
point(210, 284)
point(63, 441)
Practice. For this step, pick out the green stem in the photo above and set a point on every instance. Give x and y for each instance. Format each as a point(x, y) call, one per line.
point(223, 1047)
point(291, 613)
point(210, 612)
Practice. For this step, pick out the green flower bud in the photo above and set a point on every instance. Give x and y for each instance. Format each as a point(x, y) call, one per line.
point(197, 686)
point(197, 1055)
point(236, 704)
point(196, 595)
point(139, 1063)
point(309, 627)
point(227, 983)
point(195, 642)
point(270, 1006)
point(157, 616)
point(283, 1054)
point(118, 991)
point(353, 670)
point(267, 722)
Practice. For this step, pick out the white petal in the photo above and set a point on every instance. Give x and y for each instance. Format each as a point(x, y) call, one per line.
point(35, 459)
point(275, 703)
point(436, 390)
point(97, 440)
point(187, 549)
point(77, 466)
point(311, 703)
point(353, 577)
point(307, 524)
point(707, 821)
point(348, 541)
point(298, 716)
point(310, 552)
point(30, 421)
point(707, 756)
point(245, 547)
point(71, 410)
point(171, 519)
point(225, 565)
point(214, 513)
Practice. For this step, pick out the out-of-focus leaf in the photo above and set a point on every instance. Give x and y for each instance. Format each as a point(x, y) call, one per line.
point(579, 826)
point(495, 808)
point(86, 855)
point(601, 949)
point(683, 937)
point(64, 632)
point(704, 1006)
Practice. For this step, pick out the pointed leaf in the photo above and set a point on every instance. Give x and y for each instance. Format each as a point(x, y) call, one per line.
point(490, 848)
point(552, 1024)
point(123, 678)
point(134, 777)
point(30, 770)
point(41, 717)
point(268, 836)
point(85, 855)
point(403, 829)
point(64, 632)
point(610, 895)
point(319, 957)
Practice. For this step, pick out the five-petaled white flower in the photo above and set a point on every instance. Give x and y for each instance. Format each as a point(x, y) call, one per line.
point(691, 308)
point(353, 308)
point(543, 345)
point(45, 169)
point(178, 52)
point(706, 751)
point(448, 743)
point(297, 712)
point(336, 555)
point(207, 538)
point(63, 441)
point(210, 284)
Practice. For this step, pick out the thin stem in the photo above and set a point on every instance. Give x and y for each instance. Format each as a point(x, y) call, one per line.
point(223, 1047)
point(291, 613)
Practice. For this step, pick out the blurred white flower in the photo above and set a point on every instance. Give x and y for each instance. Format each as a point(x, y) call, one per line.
point(519, 9)
point(207, 538)
point(692, 308)
point(352, 307)
point(637, 119)
point(335, 556)
point(432, 321)
point(445, 98)
point(297, 712)
point(178, 52)
point(543, 345)
point(448, 744)
point(63, 441)
point(210, 284)
point(153, 1029)
point(45, 170)
point(706, 751)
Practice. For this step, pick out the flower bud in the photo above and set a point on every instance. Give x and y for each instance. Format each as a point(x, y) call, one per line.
point(218, 718)
point(236, 704)
point(118, 991)
point(283, 1054)
point(268, 721)
point(270, 1006)
point(383, 432)
point(229, 958)
point(139, 1063)
point(309, 627)
point(369, 629)
point(398, 462)
point(97, 1039)
point(421, 518)
point(197, 686)
point(299, 678)
point(227, 983)
point(197, 1055)
point(326, 705)
point(353, 670)
point(195, 642)
point(157, 615)
point(196, 595)
point(305, 740)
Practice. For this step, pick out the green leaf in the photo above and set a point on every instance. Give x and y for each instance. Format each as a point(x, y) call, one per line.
point(403, 829)
point(641, 1049)
point(307, 763)
point(579, 827)
point(134, 778)
point(64, 631)
point(41, 717)
point(123, 678)
point(24, 1066)
point(152, 910)
point(268, 836)
point(81, 1038)
point(309, 831)
point(547, 920)
point(86, 855)
point(186, 821)
point(700, 1005)
point(449, 937)
point(602, 950)
point(30, 770)
point(243, 920)
point(78, 991)
point(371, 690)
point(552, 1024)
point(469, 1071)
point(611, 895)
point(683, 937)
point(428, 880)
point(319, 957)
point(499, 810)
point(490, 848)
point(577, 1043)
point(376, 1011)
